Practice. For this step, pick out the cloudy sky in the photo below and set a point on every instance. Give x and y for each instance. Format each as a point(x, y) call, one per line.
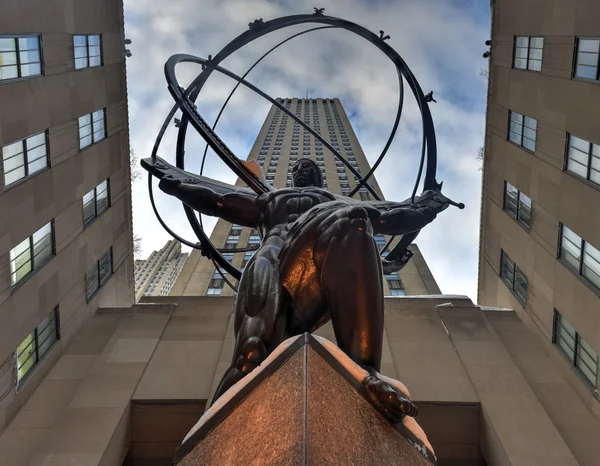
point(441, 40)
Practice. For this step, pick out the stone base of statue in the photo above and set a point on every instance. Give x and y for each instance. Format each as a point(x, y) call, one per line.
point(304, 405)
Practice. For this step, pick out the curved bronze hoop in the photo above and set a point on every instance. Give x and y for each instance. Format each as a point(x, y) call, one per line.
point(185, 101)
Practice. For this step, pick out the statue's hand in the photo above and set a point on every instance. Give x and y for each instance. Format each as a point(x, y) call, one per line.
point(388, 399)
point(169, 185)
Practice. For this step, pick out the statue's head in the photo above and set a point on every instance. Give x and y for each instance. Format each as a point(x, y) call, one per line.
point(305, 172)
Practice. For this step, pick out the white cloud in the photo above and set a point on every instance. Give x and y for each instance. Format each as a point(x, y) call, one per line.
point(441, 42)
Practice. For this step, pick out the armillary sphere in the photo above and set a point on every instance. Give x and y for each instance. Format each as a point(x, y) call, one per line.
point(185, 102)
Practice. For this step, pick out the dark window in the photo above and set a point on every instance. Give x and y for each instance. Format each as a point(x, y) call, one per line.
point(583, 159)
point(31, 254)
point(586, 61)
point(35, 345)
point(517, 205)
point(528, 53)
point(581, 355)
point(98, 275)
point(513, 277)
point(87, 51)
point(523, 130)
point(20, 57)
point(580, 256)
point(24, 158)
point(95, 202)
point(92, 128)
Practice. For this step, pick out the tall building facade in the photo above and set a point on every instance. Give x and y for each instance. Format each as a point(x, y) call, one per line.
point(65, 196)
point(280, 143)
point(156, 275)
point(540, 221)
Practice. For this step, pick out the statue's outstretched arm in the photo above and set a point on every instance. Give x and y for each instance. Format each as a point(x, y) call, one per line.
point(231, 203)
point(398, 218)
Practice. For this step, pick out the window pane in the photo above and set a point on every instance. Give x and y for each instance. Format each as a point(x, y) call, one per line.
point(105, 267)
point(589, 45)
point(13, 156)
point(570, 248)
point(507, 269)
point(521, 53)
point(8, 58)
point(29, 56)
point(587, 72)
point(31, 70)
point(535, 65)
point(91, 281)
point(522, 41)
point(80, 52)
point(537, 42)
point(20, 261)
point(590, 59)
point(7, 44)
point(102, 196)
point(85, 141)
point(80, 63)
point(94, 40)
point(95, 61)
point(521, 63)
point(46, 333)
point(42, 245)
point(520, 284)
point(510, 200)
point(591, 264)
point(98, 116)
point(536, 54)
point(525, 209)
point(516, 117)
point(36, 153)
point(529, 144)
point(8, 72)
point(29, 43)
point(25, 356)
point(398, 292)
point(79, 40)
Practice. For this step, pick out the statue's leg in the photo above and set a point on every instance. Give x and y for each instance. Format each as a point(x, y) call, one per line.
point(260, 319)
point(350, 268)
point(348, 259)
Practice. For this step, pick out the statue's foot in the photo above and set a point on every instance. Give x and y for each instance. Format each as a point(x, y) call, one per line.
point(389, 400)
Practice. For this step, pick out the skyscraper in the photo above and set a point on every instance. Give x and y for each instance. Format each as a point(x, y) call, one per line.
point(156, 275)
point(540, 220)
point(280, 143)
point(65, 195)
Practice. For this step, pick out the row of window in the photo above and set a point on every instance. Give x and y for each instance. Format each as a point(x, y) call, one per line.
point(582, 156)
point(579, 255)
point(37, 344)
point(24, 158)
point(21, 56)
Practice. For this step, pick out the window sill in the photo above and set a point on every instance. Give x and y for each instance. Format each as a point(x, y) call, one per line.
point(509, 286)
point(95, 293)
point(521, 147)
point(577, 371)
point(15, 80)
point(525, 227)
point(583, 180)
point(94, 144)
point(88, 67)
point(31, 371)
point(20, 181)
point(26, 278)
point(90, 222)
point(587, 282)
point(527, 70)
point(586, 80)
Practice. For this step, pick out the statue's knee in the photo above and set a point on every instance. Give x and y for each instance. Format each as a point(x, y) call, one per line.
point(253, 353)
